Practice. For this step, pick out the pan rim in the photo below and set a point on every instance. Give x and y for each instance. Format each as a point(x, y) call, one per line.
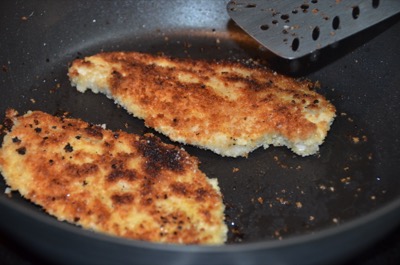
point(392, 207)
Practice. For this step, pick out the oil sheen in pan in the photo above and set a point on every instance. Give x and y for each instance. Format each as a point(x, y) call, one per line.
point(272, 194)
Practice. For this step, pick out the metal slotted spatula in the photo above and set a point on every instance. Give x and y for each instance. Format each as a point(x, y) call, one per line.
point(292, 29)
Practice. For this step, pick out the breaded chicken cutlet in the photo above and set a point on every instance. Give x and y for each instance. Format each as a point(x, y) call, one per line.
point(227, 107)
point(113, 182)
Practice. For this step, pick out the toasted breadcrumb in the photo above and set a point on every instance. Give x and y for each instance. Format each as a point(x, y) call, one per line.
point(113, 182)
point(228, 107)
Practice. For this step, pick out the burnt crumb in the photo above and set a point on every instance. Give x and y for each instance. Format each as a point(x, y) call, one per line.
point(94, 131)
point(117, 164)
point(146, 187)
point(179, 188)
point(117, 74)
point(8, 123)
point(159, 156)
point(81, 170)
point(119, 199)
point(147, 201)
point(38, 130)
point(36, 122)
point(16, 140)
point(118, 174)
point(68, 148)
point(78, 137)
point(76, 219)
point(21, 150)
point(200, 194)
point(51, 161)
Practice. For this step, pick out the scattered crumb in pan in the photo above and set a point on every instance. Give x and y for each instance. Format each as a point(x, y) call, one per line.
point(8, 192)
point(237, 233)
point(278, 234)
point(282, 201)
point(284, 165)
point(345, 180)
point(324, 187)
point(235, 169)
point(55, 88)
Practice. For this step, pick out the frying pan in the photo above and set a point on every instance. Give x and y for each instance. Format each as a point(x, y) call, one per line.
point(280, 208)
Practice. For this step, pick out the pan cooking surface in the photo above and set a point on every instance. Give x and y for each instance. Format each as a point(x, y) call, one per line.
point(273, 194)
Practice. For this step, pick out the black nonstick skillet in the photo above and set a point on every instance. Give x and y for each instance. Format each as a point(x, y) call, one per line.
point(281, 208)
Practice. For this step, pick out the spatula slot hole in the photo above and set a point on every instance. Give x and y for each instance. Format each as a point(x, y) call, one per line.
point(315, 33)
point(356, 12)
point(336, 23)
point(304, 7)
point(295, 44)
point(251, 5)
point(375, 3)
point(264, 27)
point(285, 17)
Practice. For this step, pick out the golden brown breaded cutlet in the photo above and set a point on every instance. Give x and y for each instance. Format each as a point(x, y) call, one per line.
point(227, 107)
point(113, 182)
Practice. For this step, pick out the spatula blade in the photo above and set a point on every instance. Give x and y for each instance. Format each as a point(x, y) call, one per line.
point(293, 29)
